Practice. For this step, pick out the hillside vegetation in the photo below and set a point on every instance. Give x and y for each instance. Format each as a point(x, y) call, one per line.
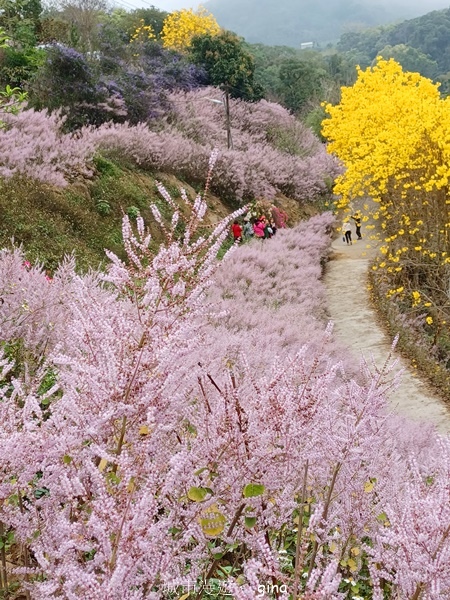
point(176, 423)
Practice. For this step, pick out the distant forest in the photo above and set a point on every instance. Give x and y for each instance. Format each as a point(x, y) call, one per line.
point(421, 44)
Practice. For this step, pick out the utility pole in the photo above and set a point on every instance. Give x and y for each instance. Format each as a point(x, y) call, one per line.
point(227, 117)
point(225, 102)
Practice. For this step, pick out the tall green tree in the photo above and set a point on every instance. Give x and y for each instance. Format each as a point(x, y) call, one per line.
point(228, 64)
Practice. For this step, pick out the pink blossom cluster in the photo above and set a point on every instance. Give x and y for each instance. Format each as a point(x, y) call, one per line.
point(35, 147)
point(127, 467)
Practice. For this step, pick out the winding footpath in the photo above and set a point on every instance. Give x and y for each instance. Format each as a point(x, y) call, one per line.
point(356, 326)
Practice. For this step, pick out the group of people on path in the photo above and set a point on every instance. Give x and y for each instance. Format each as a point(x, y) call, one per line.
point(347, 229)
point(261, 228)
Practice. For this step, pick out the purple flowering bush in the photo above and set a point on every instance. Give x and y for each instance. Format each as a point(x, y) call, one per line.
point(132, 85)
point(67, 83)
point(129, 470)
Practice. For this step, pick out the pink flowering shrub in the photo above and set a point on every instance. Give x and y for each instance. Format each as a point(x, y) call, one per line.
point(272, 151)
point(129, 470)
point(273, 295)
point(35, 147)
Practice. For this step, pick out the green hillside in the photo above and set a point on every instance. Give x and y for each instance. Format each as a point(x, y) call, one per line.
point(86, 217)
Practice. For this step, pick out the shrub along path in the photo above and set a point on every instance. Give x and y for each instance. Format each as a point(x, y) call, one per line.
point(356, 326)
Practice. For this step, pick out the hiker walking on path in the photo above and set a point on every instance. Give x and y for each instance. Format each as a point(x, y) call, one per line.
point(347, 229)
point(357, 218)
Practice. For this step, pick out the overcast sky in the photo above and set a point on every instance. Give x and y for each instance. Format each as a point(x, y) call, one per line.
point(168, 5)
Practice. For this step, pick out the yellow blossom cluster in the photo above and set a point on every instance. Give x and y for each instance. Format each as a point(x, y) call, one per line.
point(182, 25)
point(143, 33)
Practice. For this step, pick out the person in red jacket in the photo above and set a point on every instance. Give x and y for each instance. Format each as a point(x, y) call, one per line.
point(237, 231)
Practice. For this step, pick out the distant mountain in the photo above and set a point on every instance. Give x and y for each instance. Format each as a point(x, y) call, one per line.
point(292, 22)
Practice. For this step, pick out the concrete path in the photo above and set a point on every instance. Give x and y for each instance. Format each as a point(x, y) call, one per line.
point(355, 325)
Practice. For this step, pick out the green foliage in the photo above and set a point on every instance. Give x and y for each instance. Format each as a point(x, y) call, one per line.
point(21, 20)
point(51, 224)
point(11, 100)
point(103, 207)
point(126, 22)
point(228, 64)
point(411, 59)
point(17, 66)
point(133, 212)
point(314, 120)
point(300, 81)
point(55, 29)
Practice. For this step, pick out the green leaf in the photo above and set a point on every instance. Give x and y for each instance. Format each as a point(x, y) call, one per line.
point(212, 522)
point(40, 492)
point(198, 494)
point(253, 489)
point(250, 522)
point(200, 471)
point(67, 459)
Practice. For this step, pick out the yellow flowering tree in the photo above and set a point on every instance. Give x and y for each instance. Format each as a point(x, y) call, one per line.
point(391, 131)
point(182, 25)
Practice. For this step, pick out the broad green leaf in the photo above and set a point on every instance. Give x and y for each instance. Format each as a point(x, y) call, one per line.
point(253, 489)
point(250, 522)
point(368, 486)
point(212, 522)
point(333, 547)
point(352, 565)
point(198, 494)
point(67, 459)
